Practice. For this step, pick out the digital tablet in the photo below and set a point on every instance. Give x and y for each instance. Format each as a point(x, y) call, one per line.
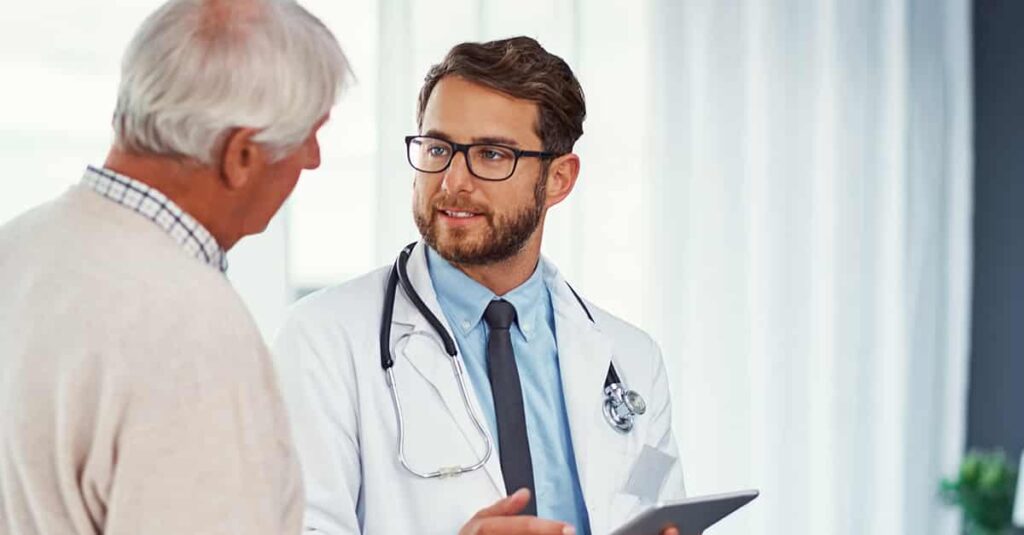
point(691, 516)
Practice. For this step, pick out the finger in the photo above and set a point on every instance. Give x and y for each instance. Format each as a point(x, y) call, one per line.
point(670, 531)
point(510, 505)
point(524, 525)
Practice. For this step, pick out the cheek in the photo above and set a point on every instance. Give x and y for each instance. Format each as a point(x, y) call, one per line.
point(290, 180)
point(424, 187)
point(292, 177)
point(511, 201)
point(283, 180)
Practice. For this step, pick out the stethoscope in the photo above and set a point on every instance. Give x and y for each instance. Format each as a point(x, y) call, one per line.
point(621, 405)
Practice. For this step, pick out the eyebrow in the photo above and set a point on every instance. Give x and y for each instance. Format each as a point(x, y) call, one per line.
point(490, 140)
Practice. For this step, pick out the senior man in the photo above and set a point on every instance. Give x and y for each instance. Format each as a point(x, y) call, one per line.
point(136, 394)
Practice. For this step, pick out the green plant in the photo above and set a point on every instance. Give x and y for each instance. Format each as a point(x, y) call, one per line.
point(984, 492)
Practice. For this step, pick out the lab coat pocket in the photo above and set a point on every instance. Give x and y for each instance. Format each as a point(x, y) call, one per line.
point(648, 474)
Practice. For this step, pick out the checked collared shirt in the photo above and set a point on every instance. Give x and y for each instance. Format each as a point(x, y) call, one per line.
point(155, 206)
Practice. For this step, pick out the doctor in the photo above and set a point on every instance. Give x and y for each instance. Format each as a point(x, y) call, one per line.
point(468, 388)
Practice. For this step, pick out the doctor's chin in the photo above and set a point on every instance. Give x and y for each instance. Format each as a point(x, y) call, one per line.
point(671, 267)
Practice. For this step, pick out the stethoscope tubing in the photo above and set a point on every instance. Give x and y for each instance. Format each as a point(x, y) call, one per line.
point(398, 277)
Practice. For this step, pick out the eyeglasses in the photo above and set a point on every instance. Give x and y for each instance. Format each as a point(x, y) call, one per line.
point(485, 161)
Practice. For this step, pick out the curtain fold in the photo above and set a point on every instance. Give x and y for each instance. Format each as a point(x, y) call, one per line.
point(812, 256)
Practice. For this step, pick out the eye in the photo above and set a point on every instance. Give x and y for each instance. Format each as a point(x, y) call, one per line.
point(494, 154)
point(437, 150)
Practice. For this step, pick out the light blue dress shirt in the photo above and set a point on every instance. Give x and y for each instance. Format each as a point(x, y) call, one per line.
point(463, 301)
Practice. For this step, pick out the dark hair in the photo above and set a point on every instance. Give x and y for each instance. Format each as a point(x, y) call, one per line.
point(521, 68)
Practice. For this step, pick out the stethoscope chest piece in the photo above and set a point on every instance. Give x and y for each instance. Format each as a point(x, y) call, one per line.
point(621, 407)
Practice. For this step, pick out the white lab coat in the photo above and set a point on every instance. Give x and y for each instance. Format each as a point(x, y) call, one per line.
point(346, 432)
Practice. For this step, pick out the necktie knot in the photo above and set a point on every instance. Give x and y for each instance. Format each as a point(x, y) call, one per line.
point(500, 314)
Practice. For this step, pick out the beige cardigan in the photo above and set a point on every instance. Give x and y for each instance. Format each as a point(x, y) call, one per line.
point(136, 395)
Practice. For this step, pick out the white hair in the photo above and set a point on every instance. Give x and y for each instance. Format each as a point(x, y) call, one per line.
point(197, 69)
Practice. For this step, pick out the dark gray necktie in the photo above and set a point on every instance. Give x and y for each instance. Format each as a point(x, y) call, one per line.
point(513, 444)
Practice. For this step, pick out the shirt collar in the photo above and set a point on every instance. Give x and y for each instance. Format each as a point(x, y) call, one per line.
point(143, 199)
point(464, 299)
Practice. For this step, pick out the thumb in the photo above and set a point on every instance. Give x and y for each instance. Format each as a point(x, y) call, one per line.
point(508, 506)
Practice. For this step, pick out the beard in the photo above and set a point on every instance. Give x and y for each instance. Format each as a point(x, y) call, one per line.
point(503, 237)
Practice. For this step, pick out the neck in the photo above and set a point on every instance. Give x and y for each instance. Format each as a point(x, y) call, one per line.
point(507, 275)
point(196, 188)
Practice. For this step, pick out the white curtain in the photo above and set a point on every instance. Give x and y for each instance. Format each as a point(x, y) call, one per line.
point(810, 216)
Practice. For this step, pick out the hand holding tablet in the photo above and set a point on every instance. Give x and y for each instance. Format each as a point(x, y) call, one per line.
point(690, 516)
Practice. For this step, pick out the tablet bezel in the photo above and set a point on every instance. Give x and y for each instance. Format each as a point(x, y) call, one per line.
point(691, 516)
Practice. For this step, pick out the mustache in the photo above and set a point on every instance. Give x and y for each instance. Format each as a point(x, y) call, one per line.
point(457, 204)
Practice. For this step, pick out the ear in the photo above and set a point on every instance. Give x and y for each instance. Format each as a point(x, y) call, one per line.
point(562, 174)
point(242, 159)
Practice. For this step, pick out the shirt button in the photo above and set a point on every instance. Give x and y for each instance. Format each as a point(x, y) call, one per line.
point(465, 325)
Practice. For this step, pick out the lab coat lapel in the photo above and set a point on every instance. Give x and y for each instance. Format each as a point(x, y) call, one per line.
point(426, 354)
point(584, 354)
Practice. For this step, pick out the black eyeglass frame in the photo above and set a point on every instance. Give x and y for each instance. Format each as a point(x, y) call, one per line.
point(464, 149)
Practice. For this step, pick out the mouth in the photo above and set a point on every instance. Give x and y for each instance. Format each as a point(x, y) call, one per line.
point(459, 214)
point(459, 218)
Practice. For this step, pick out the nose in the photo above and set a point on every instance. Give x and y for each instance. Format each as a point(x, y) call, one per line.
point(313, 155)
point(457, 177)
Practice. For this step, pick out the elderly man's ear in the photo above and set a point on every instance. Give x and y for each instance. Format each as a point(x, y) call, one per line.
point(242, 159)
